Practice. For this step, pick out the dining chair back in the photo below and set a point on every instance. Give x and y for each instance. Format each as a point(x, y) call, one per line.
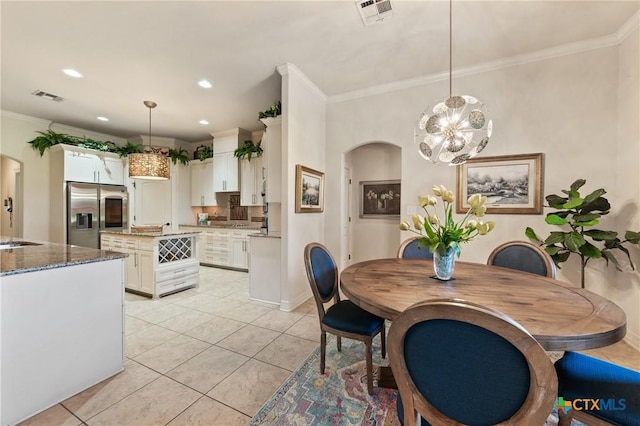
point(456, 362)
point(343, 318)
point(409, 249)
point(584, 378)
point(523, 256)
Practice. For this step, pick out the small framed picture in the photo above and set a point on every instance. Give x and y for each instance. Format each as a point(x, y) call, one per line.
point(380, 199)
point(309, 190)
point(513, 184)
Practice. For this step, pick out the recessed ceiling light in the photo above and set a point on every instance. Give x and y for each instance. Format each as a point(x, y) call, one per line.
point(102, 118)
point(72, 73)
point(205, 84)
point(203, 122)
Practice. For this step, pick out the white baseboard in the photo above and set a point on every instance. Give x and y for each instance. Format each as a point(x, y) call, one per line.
point(290, 305)
point(633, 340)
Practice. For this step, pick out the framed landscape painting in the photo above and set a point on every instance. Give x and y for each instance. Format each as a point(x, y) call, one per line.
point(309, 190)
point(380, 199)
point(513, 184)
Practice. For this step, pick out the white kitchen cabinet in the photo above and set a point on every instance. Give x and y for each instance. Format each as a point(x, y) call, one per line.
point(272, 146)
point(223, 247)
point(157, 264)
point(202, 191)
point(152, 202)
point(225, 165)
point(251, 179)
point(225, 172)
point(88, 165)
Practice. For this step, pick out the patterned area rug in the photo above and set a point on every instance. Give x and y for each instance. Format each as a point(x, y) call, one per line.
point(338, 397)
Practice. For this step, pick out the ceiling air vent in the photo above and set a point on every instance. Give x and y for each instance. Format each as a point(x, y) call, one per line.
point(374, 11)
point(46, 95)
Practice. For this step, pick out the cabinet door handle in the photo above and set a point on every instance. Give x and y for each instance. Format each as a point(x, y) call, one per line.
point(98, 176)
point(135, 260)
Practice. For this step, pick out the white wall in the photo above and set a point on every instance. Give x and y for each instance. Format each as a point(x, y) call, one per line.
point(565, 107)
point(373, 238)
point(303, 136)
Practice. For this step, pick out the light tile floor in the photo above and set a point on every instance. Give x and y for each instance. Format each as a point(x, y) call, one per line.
point(209, 356)
point(205, 356)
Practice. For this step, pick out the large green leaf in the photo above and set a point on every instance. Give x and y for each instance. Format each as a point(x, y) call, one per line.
point(573, 240)
point(590, 250)
point(560, 257)
point(554, 219)
point(555, 237)
point(594, 196)
point(578, 184)
point(573, 202)
point(600, 235)
point(531, 234)
point(552, 250)
point(608, 256)
point(586, 217)
point(555, 201)
point(587, 223)
point(632, 237)
point(599, 204)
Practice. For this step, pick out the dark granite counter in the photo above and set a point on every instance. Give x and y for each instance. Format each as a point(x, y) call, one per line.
point(226, 226)
point(272, 234)
point(45, 255)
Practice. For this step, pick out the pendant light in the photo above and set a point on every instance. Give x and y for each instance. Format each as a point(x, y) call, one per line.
point(149, 165)
point(456, 129)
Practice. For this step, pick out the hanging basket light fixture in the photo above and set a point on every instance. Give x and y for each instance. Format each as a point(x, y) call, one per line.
point(456, 129)
point(149, 165)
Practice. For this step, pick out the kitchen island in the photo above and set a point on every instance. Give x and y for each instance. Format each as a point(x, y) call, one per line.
point(61, 322)
point(159, 263)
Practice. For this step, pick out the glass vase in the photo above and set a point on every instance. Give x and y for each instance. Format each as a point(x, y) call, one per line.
point(443, 264)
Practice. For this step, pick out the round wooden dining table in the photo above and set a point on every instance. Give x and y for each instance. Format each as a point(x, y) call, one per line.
point(560, 317)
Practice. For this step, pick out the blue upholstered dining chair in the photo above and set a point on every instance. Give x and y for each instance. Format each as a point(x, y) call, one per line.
point(582, 377)
point(343, 318)
point(523, 256)
point(457, 362)
point(409, 250)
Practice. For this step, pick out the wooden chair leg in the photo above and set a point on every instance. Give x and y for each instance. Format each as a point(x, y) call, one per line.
point(323, 350)
point(339, 343)
point(368, 349)
point(383, 345)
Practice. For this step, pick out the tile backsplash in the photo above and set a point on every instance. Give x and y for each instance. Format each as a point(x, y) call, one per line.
point(230, 210)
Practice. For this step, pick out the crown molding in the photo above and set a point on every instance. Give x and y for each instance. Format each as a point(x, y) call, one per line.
point(23, 117)
point(628, 27)
point(540, 55)
point(289, 68)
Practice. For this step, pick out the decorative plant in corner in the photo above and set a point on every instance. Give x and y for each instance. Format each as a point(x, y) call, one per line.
point(248, 149)
point(128, 148)
point(579, 213)
point(179, 155)
point(205, 152)
point(273, 111)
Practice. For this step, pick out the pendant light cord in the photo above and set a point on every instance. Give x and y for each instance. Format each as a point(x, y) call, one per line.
point(450, 45)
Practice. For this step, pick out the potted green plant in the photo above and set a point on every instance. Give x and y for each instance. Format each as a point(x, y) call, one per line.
point(179, 155)
point(48, 139)
point(248, 149)
point(128, 148)
point(578, 215)
point(273, 111)
point(205, 152)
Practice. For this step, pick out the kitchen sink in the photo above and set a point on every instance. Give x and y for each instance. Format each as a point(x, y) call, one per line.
point(16, 244)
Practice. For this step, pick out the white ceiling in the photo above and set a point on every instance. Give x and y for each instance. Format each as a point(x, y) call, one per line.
point(158, 50)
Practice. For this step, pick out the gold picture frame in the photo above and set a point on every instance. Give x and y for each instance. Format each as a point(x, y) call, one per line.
point(309, 190)
point(513, 184)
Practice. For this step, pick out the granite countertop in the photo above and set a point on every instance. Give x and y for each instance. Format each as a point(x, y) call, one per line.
point(272, 234)
point(150, 234)
point(226, 225)
point(47, 255)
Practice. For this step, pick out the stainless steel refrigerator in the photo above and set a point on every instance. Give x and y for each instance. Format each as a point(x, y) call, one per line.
point(92, 208)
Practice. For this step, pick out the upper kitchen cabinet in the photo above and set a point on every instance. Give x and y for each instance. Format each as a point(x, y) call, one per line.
point(272, 158)
point(251, 179)
point(85, 165)
point(225, 165)
point(202, 192)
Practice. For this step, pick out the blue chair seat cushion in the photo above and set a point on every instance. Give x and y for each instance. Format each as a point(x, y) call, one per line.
point(618, 388)
point(348, 317)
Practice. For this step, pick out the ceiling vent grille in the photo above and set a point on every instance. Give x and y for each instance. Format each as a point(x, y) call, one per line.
point(374, 11)
point(45, 95)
